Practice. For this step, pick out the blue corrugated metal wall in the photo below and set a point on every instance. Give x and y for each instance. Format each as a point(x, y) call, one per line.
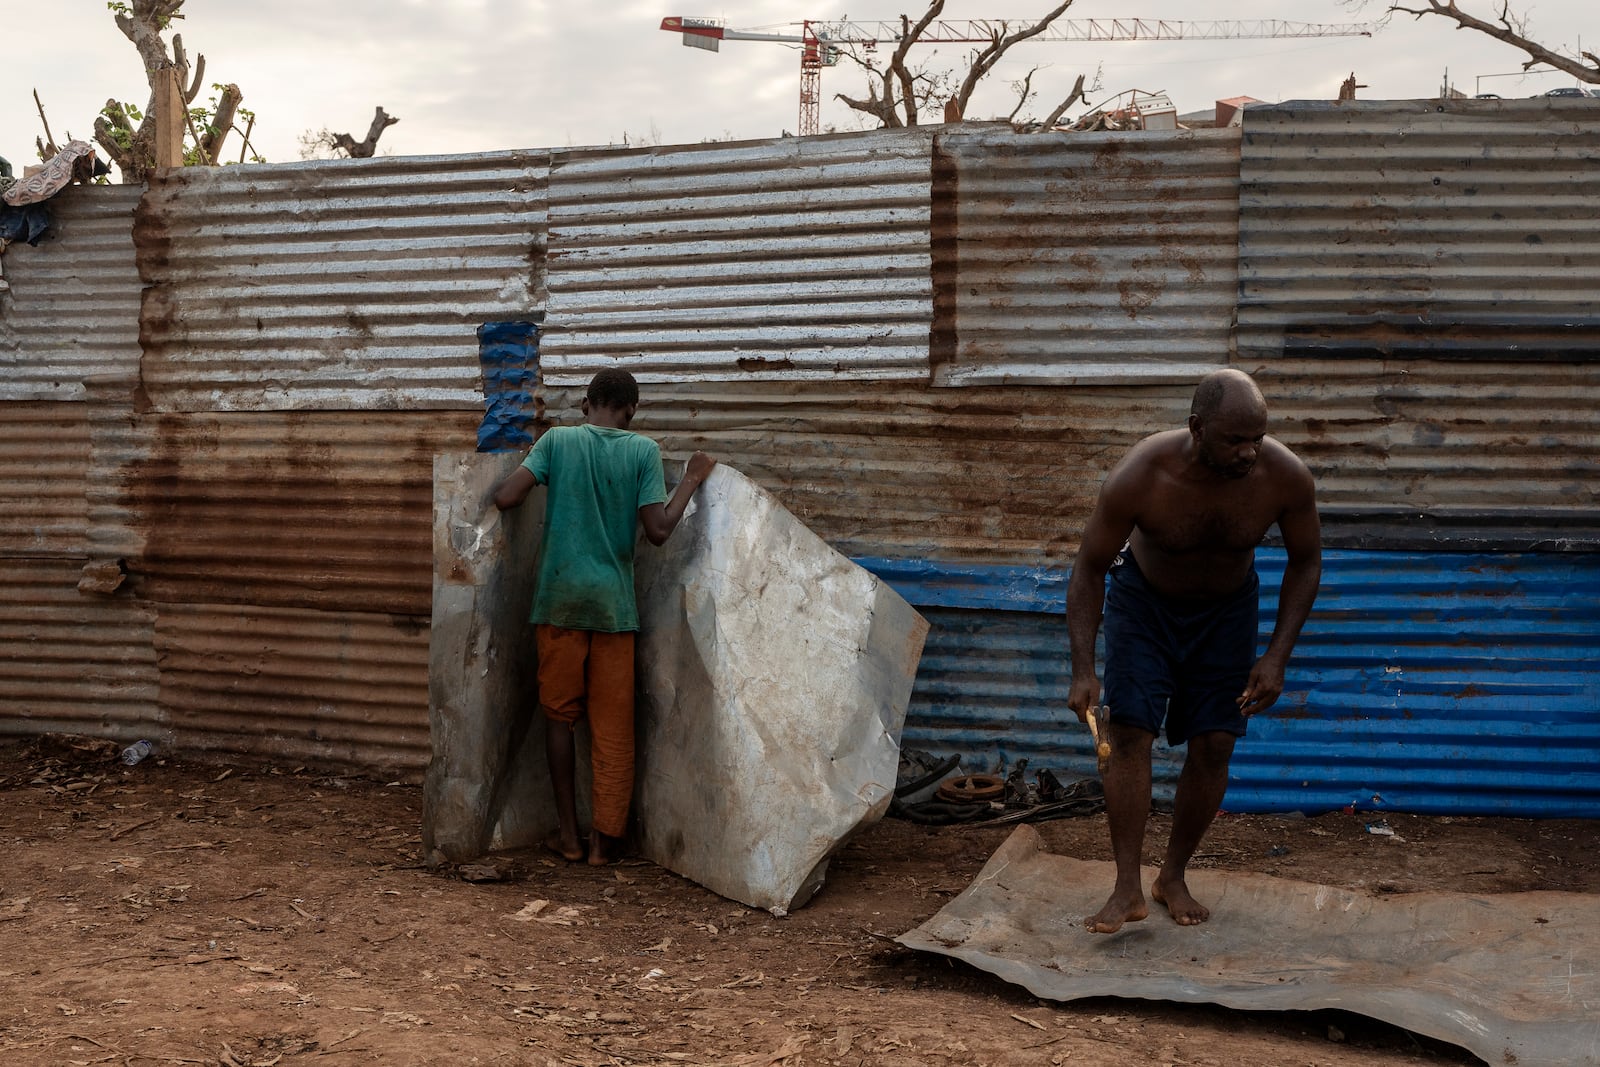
point(1424, 682)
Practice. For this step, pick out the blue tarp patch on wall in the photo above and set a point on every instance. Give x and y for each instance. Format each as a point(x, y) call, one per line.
point(508, 352)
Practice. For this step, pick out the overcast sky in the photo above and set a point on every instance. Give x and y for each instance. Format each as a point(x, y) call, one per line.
point(480, 75)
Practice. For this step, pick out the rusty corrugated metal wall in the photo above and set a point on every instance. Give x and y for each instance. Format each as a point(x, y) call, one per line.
point(335, 285)
point(804, 258)
point(309, 344)
point(73, 308)
point(1084, 258)
point(1102, 259)
point(263, 473)
point(981, 473)
point(1420, 294)
point(69, 662)
point(261, 469)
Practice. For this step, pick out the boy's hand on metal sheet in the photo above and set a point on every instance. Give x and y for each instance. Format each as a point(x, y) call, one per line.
point(700, 466)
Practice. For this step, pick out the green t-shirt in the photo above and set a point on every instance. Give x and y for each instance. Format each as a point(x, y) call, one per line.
point(598, 479)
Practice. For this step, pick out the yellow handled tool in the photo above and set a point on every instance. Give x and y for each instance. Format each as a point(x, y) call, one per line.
point(1100, 729)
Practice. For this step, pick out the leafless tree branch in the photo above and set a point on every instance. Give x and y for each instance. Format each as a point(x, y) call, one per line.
point(1511, 29)
point(1061, 109)
point(985, 58)
point(1024, 91)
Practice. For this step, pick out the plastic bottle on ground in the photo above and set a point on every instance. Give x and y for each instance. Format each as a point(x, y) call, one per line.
point(135, 752)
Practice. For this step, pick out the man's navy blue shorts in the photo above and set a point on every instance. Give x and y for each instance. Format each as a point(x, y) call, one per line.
point(1174, 660)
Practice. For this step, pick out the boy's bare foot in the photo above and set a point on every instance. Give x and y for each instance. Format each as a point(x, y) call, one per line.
point(1122, 908)
point(1174, 893)
point(603, 849)
point(569, 850)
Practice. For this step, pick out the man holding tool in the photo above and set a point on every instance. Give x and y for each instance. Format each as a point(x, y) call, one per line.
point(1176, 527)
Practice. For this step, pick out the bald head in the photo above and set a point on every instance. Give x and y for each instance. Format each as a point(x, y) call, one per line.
point(1228, 423)
point(1230, 391)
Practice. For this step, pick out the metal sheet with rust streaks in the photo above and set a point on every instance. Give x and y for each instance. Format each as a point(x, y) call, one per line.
point(317, 510)
point(1419, 285)
point(342, 284)
point(44, 460)
point(324, 686)
point(1084, 258)
point(886, 469)
point(1510, 446)
point(776, 260)
point(72, 311)
point(1396, 228)
point(71, 663)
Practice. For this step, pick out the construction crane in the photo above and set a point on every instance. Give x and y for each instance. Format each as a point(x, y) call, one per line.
point(820, 42)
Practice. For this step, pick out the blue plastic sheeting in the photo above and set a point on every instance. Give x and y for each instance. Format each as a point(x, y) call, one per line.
point(509, 355)
point(1424, 682)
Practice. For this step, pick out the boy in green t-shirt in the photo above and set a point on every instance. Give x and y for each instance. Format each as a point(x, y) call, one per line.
point(604, 483)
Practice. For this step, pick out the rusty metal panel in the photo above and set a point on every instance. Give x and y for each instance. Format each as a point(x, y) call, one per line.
point(321, 686)
point(44, 459)
point(912, 471)
point(318, 510)
point(343, 284)
point(1454, 230)
point(71, 663)
point(73, 307)
point(1084, 258)
point(116, 447)
point(1495, 444)
point(794, 259)
point(1418, 295)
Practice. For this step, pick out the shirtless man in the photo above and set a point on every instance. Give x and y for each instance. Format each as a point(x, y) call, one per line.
point(1176, 527)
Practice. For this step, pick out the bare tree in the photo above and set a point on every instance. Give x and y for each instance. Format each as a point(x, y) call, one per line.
point(132, 147)
point(1511, 28)
point(898, 92)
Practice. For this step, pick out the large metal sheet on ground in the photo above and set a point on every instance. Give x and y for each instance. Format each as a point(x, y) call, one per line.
point(1509, 977)
point(774, 675)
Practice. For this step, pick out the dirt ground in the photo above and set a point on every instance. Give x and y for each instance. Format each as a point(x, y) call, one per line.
point(191, 912)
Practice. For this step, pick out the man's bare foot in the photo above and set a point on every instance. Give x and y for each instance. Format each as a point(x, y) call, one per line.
point(1186, 911)
point(603, 849)
point(1121, 908)
point(569, 850)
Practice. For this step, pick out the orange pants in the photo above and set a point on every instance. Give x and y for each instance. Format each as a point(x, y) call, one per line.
point(588, 671)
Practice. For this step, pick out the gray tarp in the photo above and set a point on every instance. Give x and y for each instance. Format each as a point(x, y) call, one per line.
point(774, 676)
point(1512, 978)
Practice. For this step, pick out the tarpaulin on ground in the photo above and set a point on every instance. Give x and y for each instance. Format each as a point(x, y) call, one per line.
point(1512, 977)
